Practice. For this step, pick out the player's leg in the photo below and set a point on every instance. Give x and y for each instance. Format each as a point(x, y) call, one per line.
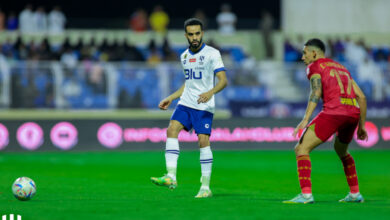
point(179, 120)
point(172, 149)
point(206, 162)
point(342, 140)
point(307, 143)
point(171, 156)
point(202, 121)
point(319, 130)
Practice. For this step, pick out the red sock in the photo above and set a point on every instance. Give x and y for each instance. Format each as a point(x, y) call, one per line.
point(350, 173)
point(304, 172)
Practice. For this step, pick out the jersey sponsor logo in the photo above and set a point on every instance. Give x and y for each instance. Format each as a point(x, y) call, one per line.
point(206, 125)
point(193, 60)
point(191, 74)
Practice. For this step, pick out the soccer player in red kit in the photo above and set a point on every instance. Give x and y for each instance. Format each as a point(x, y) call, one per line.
point(344, 109)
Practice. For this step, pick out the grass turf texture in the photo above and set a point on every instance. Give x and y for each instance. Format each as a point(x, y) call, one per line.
point(246, 185)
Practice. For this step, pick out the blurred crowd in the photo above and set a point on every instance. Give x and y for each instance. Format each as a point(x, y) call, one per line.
point(85, 83)
point(342, 50)
point(30, 20)
point(38, 19)
point(369, 65)
point(158, 20)
point(71, 53)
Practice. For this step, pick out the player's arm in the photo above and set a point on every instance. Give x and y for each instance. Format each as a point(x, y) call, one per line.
point(361, 99)
point(165, 103)
point(222, 83)
point(315, 96)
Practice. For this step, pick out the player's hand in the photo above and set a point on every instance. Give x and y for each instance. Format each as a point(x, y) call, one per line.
point(362, 133)
point(302, 125)
point(205, 97)
point(164, 104)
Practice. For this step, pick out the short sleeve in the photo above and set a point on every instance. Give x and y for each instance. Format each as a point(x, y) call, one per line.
point(217, 63)
point(312, 69)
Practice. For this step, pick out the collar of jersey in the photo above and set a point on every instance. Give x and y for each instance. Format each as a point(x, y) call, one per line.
point(192, 53)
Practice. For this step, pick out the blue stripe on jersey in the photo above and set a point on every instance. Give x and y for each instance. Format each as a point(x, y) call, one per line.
point(219, 70)
point(192, 53)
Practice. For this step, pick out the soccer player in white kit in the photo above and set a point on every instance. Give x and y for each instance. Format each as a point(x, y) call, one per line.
point(201, 64)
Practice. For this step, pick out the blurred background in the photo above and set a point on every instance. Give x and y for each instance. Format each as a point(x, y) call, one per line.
point(87, 75)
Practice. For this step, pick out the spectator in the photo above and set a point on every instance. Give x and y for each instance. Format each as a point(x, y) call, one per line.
point(79, 45)
point(97, 79)
point(2, 20)
point(2, 57)
point(72, 87)
point(26, 20)
point(266, 26)
point(33, 50)
point(69, 58)
point(226, 20)
point(369, 72)
point(211, 42)
point(330, 48)
point(355, 52)
point(40, 20)
point(104, 49)
point(117, 51)
point(132, 53)
point(30, 93)
point(159, 20)
point(57, 21)
point(20, 49)
point(44, 50)
point(60, 48)
point(154, 55)
point(139, 20)
point(339, 49)
point(88, 51)
point(290, 52)
point(199, 14)
point(167, 51)
point(12, 21)
point(7, 49)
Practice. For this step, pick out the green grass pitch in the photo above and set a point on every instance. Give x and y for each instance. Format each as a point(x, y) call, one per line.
point(246, 185)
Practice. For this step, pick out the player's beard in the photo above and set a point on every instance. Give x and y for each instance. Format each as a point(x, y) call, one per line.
point(195, 47)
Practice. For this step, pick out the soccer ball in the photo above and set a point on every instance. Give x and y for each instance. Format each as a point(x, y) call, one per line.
point(24, 188)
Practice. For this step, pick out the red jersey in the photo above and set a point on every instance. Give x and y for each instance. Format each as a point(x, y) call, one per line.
point(337, 91)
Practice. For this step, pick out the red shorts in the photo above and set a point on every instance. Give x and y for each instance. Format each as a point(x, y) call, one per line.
point(326, 125)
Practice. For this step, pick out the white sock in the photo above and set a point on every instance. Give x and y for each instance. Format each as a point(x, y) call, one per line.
point(354, 195)
point(171, 155)
point(307, 195)
point(206, 162)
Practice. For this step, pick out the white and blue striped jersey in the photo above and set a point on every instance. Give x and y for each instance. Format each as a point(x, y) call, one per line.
point(199, 70)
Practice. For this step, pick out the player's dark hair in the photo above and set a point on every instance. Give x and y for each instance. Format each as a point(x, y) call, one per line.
point(316, 43)
point(193, 21)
